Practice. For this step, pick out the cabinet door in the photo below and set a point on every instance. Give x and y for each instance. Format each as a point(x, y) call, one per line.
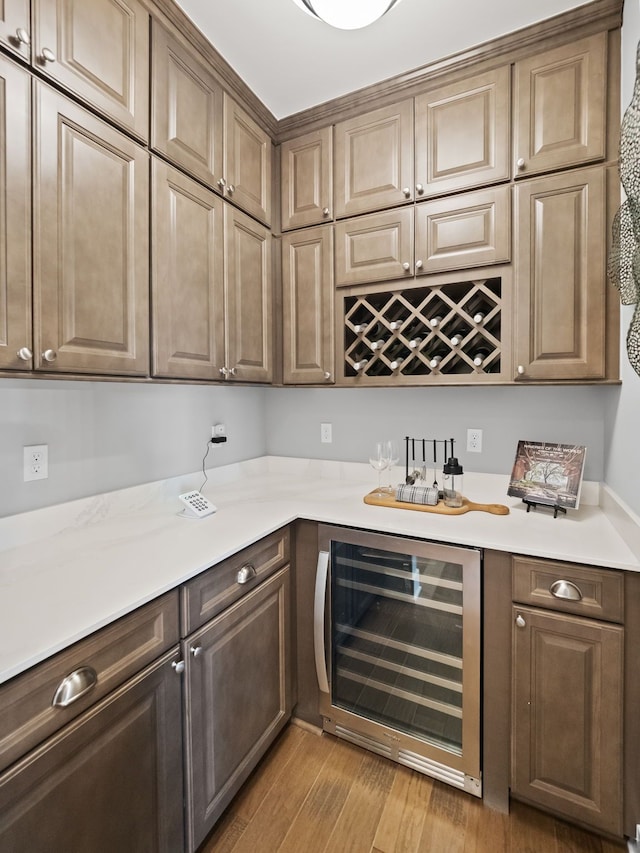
point(238, 697)
point(308, 298)
point(374, 160)
point(15, 218)
point(307, 179)
point(111, 780)
point(560, 277)
point(100, 51)
point(186, 109)
point(188, 282)
point(248, 298)
point(15, 27)
point(247, 162)
point(91, 264)
point(462, 134)
point(567, 716)
point(560, 107)
point(466, 230)
point(374, 247)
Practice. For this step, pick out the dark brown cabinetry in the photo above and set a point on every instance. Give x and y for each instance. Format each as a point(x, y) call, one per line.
point(307, 305)
point(91, 265)
point(567, 677)
point(238, 674)
point(16, 345)
point(108, 776)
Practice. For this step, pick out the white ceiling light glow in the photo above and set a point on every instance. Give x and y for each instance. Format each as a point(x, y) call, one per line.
point(347, 14)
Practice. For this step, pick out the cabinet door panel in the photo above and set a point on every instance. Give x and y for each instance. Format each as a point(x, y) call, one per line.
point(14, 16)
point(232, 720)
point(560, 277)
point(188, 281)
point(15, 216)
point(101, 53)
point(567, 716)
point(308, 298)
point(464, 231)
point(247, 162)
point(111, 780)
point(462, 134)
point(307, 179)
point(248, 297)
point(186, 115)
point(561, 106)
point(374, 160)
point(91, 264)
point(374, 248)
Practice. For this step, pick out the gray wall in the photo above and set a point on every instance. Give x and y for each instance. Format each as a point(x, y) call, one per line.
point(622, 433)
point(110, 435)
point(505, 414)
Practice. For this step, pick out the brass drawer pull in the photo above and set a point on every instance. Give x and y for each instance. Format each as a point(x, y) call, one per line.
point(246, 574)
point(74, 686)
point(565, 590)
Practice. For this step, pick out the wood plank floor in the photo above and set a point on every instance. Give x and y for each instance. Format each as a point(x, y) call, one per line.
point(318, 794)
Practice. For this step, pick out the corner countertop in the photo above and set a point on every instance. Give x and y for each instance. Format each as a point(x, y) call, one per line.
point(68, 570)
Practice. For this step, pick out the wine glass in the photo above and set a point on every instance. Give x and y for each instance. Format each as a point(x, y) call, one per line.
point(392, 454)
point(379, 461)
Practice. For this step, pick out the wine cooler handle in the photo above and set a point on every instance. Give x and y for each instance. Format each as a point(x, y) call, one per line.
point(322, 575)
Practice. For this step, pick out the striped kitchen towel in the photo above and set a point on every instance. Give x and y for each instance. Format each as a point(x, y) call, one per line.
point(417, 494)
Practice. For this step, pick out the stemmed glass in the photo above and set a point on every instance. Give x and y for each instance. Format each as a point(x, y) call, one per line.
point(379, 460)
point(392, 454)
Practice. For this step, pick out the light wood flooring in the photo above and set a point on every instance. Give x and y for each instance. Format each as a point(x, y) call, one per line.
point(319, 794)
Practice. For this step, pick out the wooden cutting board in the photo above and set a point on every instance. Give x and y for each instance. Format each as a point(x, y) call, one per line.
point(467, 506)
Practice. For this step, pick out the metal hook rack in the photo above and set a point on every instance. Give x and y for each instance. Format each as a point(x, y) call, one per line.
point(426, 447)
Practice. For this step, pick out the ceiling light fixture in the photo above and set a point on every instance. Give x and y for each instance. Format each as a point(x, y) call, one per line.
point(347, 14)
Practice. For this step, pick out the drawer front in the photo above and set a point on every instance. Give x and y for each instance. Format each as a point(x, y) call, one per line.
point(114, 653)
point(583, 590)
point(208, 594)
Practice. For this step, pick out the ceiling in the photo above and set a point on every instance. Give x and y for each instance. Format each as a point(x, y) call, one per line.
point(293, 61)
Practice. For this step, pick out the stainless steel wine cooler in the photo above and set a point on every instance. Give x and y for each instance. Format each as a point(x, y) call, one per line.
point(397, 650)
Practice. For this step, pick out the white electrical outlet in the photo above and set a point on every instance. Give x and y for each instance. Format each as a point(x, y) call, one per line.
point(218, 431)
point(474, 440)
point(36, 462)
point(325, 434)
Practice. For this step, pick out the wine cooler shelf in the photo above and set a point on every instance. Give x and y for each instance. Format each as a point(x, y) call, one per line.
point(441, 330)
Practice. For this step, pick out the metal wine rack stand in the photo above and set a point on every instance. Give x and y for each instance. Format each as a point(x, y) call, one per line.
point(450, 329)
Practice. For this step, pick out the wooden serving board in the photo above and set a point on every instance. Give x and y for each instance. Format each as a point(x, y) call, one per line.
point(440, 507)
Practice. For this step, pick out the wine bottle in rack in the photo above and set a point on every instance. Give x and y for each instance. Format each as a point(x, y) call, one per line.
point(457, 337)
point(376, 345)
point(478, 318)
point(359, 328)
point(396, 363)
point(359, 366)
point(436, 358)
point(434, 322)
point(479, 357)
point(394, 325)
point(414, 343)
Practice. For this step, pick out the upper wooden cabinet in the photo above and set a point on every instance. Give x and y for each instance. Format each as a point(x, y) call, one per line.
point(374, 247)
point(91, 243)
point(561, 106)
point(248, 151)
point(16, 343)
point(188, 281)
point(15, 27)
point(462, 134)
point(307, 179)
point(248, 298)
point(307, 304)
point(186, 109)
point(560, 273)
point(99, 51)
point(374, 160)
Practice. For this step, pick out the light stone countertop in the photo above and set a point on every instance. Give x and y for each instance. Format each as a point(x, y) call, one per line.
point(68, 570)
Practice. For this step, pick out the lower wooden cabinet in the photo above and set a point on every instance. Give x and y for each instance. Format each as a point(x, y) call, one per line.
point(237, 698)
point(110, 780)
point(567, 709)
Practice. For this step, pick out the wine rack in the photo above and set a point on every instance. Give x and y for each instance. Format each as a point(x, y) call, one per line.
point(451, 330)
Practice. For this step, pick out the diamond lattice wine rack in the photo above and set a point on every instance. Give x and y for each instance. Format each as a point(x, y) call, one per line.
point(448, 332)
